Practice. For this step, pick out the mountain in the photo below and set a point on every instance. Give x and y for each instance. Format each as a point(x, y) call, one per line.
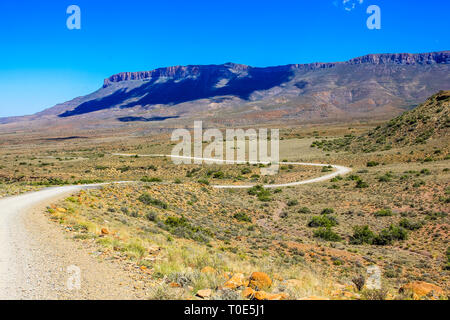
point(376, 85)
point(430, 120)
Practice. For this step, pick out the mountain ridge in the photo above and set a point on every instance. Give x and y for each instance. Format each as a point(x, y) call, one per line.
point(384, 58)
point(381, 85)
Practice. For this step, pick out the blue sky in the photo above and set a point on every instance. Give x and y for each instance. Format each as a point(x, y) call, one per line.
point(43, 63)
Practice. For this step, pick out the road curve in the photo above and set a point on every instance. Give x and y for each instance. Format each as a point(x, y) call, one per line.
point(339, 170)
point(33, 258)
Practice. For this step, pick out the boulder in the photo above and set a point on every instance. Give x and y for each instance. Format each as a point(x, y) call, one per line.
point(260, 281)
point(206, 293)
point(248, 293)
point(421, 289)
point(236, 281)
point(262, 295)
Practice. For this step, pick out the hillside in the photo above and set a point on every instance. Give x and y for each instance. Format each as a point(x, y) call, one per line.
point(430, 120)
point(377, 85)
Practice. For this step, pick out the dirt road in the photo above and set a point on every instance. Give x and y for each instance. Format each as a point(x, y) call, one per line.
point(37, 261)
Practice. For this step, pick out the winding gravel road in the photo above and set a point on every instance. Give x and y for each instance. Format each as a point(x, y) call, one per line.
point(35, 254)
point(339, 170)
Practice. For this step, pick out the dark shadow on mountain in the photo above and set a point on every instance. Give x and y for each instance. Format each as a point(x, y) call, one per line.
point(143, 119)
point(199, 86)
point(65, 138)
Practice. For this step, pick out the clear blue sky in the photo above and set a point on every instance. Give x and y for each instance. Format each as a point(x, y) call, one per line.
point(43, 63)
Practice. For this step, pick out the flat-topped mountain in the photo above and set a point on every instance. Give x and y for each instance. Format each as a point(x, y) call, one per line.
point(183, 72)
point(376, 85)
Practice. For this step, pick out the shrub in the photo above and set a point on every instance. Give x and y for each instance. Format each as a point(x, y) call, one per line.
point(146, 199)
point(175, 221)
point(372, 164)
point(260, 192)
point(359, 282)
point(246, 171)
point(385, 178)
point(203, 181)
point(152, 216)
point(241, 216)
point(304, 210)
point(375, 294)
point(383, 213)
point(254, 190)
point(326, 234)
point(327, 211)
point(292, 203)
point(361, 235)
point(409, 225)
point(447, 265)
point(153, 179)
point(322, 221)
point(336, 179)
point(219, 175)
point(387, 236)
point(361, 184)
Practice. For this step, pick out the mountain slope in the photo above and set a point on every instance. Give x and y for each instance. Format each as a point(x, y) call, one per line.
point(430, 120)
point(373, 85)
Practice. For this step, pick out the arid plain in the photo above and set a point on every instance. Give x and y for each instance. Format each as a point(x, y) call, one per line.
point(178, 237)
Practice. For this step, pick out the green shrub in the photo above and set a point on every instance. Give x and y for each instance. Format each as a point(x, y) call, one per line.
point(387, 236)
point(146, 199)
point(322, 221)
point(372, 164)
point(153, 179)
point(203, 181)
point(292, 203)
point(383, 213)
point(327, 211)
point(241, 216)
point(362, 235)
point(409, 225)
point(361, 184)
point(304, 210)
point(327, 234)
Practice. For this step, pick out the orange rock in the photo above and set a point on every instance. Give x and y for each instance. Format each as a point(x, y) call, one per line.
point(105, 231)
point(227, 275)
point(208, 270)
point(206, 293)
point(174, 285)
point(260, 280)
point(236, 281)
point(422, 289)
point(262, 295)
point(248, 293)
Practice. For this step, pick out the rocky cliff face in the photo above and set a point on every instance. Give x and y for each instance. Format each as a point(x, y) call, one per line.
point(183, 72)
